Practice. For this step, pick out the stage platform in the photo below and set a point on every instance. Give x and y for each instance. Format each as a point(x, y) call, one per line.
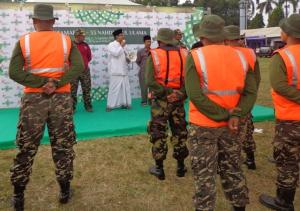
point(98, 124)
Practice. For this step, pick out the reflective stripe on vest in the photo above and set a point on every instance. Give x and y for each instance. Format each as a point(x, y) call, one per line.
point(243, 61)
point(44, 70)
point(294, 67)
point(47, 70)
point(27, 51)
point(205, 78)
point(249, 55)
point(156, 61)
point(253, 55)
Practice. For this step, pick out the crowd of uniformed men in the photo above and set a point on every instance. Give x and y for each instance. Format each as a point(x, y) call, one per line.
point(220, 76)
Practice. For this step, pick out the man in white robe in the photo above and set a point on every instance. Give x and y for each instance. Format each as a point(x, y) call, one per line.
point(119, 88)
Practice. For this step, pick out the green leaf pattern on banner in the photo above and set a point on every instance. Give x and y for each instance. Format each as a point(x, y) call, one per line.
point(99, 93)
point(95, 17)
point(196, 17)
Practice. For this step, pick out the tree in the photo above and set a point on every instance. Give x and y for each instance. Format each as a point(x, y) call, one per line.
point(257, 22)
point(227, 9)
point(294, 3)
point(250, 8)
point(275, 17)
point(187, 3)
point(267, 6)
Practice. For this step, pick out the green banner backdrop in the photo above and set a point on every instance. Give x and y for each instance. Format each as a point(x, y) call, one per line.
point(103, 35)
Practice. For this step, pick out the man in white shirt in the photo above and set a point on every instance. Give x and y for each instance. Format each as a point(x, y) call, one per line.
point(119, 89)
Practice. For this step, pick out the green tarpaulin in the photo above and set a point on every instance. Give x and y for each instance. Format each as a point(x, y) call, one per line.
point(99, 124)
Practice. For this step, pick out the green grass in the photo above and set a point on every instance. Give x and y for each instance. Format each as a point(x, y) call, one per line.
point(112, 174)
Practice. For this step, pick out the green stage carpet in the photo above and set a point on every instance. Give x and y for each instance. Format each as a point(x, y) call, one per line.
point(99, 124)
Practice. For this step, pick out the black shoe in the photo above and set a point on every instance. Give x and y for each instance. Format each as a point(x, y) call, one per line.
point(89, 109)
point(239, 208)
point(282, 202)
point(18, 198)
point(65, 192)
point(250, 161)
point(126, 107)
point(158, 172)
point(181, 169)
point(144, 103)
point(18, 202)
point(108, 109)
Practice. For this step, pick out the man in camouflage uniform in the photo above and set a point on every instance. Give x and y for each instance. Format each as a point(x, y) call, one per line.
point(47, 100)
point(236, 40)
point(221, 89)
point(85, 78)
point(285, 82)
point(167, 104)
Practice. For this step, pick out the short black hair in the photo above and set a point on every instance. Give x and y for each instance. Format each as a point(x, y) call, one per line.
point(117, 32)
point(146, 37)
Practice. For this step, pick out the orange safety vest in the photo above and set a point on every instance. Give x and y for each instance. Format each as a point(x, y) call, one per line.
point(169, 66)
point(222, 71)
point(249, 55)
point(286, 109)
point(46, 54)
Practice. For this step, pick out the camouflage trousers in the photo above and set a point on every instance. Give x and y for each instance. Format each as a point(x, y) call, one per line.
point(246, 134)
point(85, 81)
point(37, 110)
point(287, 153)
point(212, 149)
point(164, 114)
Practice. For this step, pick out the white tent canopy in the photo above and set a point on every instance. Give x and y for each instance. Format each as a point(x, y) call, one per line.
point(106, 2)
point(266, 32)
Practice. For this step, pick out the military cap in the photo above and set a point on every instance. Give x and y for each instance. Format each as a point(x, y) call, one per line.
point(117, 32)
point(79, 32)
point(211, 27)
point(166, 36)
point(233, 33)
point(291, 25)
point(43, 12)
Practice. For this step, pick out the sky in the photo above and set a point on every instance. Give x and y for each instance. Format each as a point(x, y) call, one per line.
point(182, 1)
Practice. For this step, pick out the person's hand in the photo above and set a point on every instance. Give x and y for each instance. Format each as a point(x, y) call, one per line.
point(123, 43)
point(49, 87)
point(233, 124)
point(233, 110)
point(179, 94)
point(128, 60)
point(172, 97)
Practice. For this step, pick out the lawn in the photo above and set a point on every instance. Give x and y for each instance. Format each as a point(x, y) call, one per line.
point(112, 174)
